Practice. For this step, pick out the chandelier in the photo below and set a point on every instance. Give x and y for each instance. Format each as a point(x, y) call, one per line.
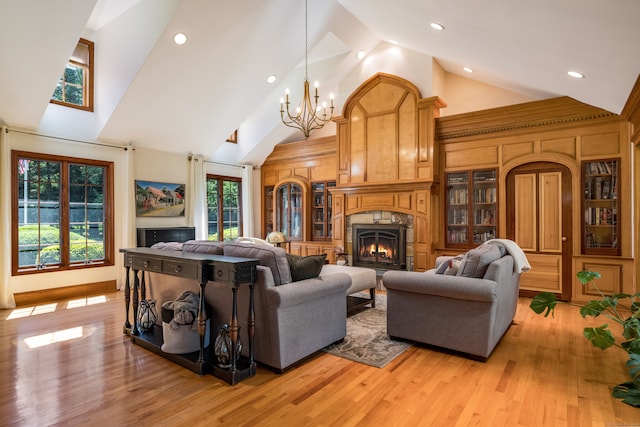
point(309, 115)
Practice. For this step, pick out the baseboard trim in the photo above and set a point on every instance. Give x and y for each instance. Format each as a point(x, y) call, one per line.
point(45, 295)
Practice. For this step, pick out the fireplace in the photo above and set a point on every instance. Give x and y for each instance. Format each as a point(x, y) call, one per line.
point(379, 246)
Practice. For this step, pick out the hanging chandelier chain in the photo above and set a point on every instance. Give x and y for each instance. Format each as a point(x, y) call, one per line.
point(306, 40)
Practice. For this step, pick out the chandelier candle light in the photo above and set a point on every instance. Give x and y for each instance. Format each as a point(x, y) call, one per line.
point(308, 116)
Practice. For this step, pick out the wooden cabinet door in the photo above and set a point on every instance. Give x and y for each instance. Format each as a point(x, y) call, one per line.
point(539, 220)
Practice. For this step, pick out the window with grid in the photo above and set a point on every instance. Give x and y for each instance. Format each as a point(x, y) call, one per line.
point(75, 87)
point(224, 207)
point(62, 212)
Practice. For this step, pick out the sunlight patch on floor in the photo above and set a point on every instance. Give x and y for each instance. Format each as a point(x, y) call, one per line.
point(62, 335)
point(22, 312)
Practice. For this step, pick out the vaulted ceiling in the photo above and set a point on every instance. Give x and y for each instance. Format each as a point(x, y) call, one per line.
point(153, 93)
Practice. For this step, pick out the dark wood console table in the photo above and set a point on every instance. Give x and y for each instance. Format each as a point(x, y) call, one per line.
point(202, 268)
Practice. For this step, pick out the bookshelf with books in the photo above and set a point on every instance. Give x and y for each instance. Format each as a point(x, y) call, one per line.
point(601, 226)
point(321, 210)
point(471, 204)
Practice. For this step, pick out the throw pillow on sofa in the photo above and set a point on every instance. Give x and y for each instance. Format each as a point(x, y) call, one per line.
point(477, 260)
point(305, 267)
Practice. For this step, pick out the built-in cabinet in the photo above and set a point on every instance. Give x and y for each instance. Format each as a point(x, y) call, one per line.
point(563, 184)
point(471, 205)
point(601, 228)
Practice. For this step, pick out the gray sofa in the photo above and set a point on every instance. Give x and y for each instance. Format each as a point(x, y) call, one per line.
point(293, 319)
point(443, 308)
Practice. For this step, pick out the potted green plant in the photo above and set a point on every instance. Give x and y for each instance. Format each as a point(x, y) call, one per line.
point(623, 309)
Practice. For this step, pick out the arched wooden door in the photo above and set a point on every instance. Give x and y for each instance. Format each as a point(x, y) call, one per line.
point(539, 220)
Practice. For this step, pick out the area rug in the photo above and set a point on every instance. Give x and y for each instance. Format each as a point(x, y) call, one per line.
point(367, 340)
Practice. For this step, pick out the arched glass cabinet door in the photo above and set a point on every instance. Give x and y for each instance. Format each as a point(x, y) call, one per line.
point(289, 210)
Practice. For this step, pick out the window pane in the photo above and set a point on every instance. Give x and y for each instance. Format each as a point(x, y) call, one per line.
point(95, 175)
point(227, 193)
point(77, 174)
point(73, 74)
point(38, 212)
point(86, 213)
point(73, 95)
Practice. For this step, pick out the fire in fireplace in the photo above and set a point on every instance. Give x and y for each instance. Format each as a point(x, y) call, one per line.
point(379, 246)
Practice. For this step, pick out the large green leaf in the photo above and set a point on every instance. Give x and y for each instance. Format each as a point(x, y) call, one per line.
point(597, 307)
point(600, 337)
point(586, 276)
point(633, 366)
point(543, 301)
point(629, 393)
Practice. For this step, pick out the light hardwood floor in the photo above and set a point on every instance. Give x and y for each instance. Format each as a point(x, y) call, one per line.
point(86, 373)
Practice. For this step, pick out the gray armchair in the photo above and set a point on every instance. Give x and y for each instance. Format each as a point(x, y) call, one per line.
point(465, 314)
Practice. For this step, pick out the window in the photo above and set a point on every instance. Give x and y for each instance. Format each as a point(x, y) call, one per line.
point(75, 88)
point(62, 212)
point(224, 207)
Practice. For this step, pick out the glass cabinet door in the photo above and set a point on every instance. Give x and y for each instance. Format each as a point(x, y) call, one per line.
point(289, 210)
point(600, 205)
point(484, 205)
point(458, 208)
point(471, 204)
point(321, 210)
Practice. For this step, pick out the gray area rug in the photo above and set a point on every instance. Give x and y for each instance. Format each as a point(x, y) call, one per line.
point(367, 340)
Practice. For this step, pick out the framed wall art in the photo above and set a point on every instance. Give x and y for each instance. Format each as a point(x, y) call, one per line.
point(161, 199)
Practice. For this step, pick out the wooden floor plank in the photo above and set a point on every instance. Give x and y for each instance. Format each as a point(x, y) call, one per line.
point(542, 373)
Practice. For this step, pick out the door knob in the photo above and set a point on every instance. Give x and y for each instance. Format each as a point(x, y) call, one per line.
point(564, 239)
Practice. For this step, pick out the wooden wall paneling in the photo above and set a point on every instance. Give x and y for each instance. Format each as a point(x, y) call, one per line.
point(302, 172)
point(352, 203)
point(526, 206)
point(512, 151)
point(550, 193)
point(406, 151)
point(617, 276)
point(600, 145)
point(384, 96)
point(610, 281)
point(382, 158)
point(566, 146)
point(377, 201)
point(284, 174)
point(546, 275)
point(405, 201)
point(472, 158)
point(357, 147)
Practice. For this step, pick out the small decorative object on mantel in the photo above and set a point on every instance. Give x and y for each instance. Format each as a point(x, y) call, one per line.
point(222, 347)
point(147, 315)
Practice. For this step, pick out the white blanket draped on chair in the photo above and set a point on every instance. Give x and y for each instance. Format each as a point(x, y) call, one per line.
point(521, 264)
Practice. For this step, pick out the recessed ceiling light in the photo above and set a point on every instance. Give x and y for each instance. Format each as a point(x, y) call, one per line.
point(436, 26)
point(361, 54)
point(394, 42)
point(576, 74)
point(272, 78)
point(180, 38)
point(468, 70)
